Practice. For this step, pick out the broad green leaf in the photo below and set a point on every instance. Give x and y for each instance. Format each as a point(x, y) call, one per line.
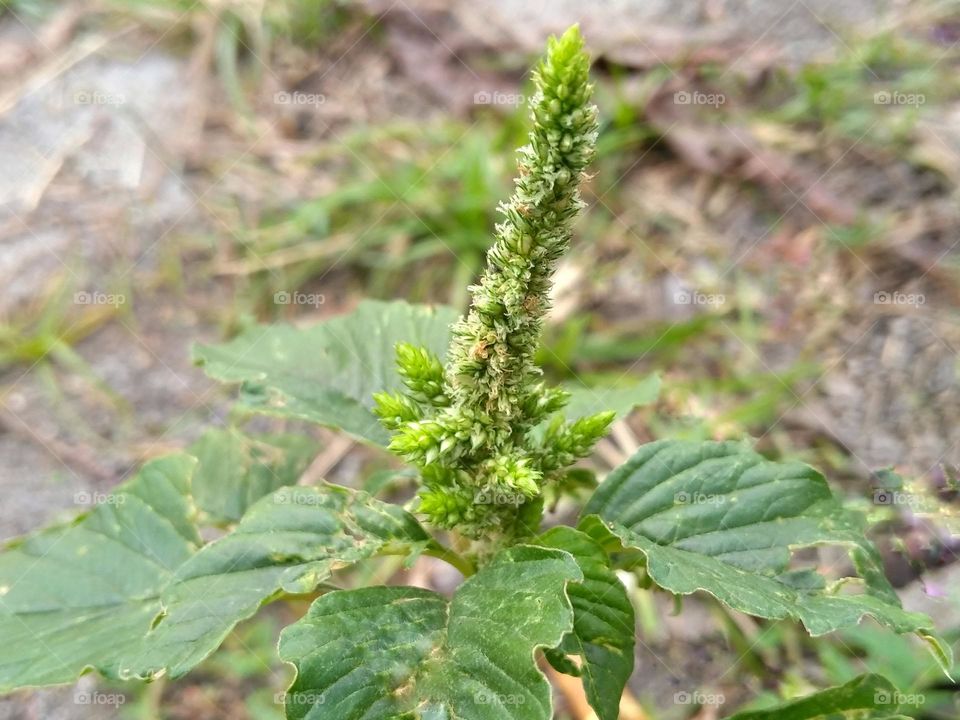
point(718, 517)
point(868, 697)
point(236, 470)
point(384, 653)
point(288, 542)
point(603, 622)
point(327, 373)
point(81, 596)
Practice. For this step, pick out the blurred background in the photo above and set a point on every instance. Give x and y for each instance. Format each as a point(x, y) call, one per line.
point(772, 225)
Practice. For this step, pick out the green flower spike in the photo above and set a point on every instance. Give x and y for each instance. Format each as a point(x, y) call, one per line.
point(467, 426)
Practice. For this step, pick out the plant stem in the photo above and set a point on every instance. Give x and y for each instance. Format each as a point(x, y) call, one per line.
point(465, 566)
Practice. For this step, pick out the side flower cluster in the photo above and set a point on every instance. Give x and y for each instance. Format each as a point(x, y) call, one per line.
point(484, 430)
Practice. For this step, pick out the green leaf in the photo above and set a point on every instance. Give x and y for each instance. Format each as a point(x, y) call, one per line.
point(236, 470)
point(289, 541)
point(327, 373)
point(620, 398)
point(603, 622)
point(384, 653)
point(81, 596)
point(718, 517)
point(389, 479)
point(585, 401)
point(868, 697)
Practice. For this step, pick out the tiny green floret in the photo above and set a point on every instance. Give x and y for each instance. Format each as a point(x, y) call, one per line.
point(467, 425)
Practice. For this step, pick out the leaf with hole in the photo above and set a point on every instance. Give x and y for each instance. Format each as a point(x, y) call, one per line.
point(603, 622)
point(383, 653)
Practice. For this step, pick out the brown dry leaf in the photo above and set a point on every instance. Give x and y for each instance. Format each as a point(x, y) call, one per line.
point(794, 247)
point(572, 690)
point(727, 149)
point(577, 706)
